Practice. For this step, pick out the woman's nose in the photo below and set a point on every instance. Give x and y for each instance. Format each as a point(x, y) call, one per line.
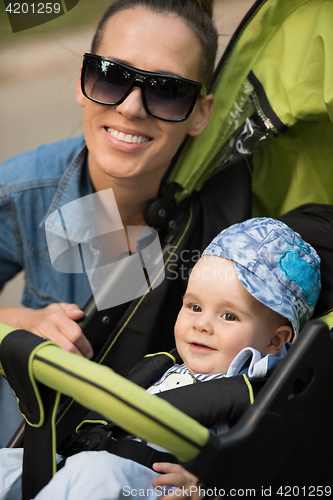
point(132, 107)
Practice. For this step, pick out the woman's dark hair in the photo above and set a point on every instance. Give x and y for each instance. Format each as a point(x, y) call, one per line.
point(197, 14)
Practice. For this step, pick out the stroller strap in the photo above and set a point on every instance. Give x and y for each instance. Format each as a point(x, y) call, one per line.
point(105, 437)
point(139, 452)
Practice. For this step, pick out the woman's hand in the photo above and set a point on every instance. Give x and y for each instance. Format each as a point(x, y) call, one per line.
point(176, 475)
point(56, 322)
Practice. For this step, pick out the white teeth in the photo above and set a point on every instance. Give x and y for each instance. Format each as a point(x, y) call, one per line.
point(132, 139)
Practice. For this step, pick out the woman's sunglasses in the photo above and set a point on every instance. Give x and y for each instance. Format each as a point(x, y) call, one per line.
point(165, 97)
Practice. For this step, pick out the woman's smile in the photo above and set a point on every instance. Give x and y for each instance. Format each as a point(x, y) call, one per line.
point(126, 140)
point(129, 138)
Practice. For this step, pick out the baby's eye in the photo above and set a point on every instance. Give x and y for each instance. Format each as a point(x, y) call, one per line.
point(229, 317)
point(195, 308)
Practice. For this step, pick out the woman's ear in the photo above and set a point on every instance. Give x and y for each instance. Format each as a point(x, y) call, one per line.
point(80, 98)
point(202, 115)
point(281, 335)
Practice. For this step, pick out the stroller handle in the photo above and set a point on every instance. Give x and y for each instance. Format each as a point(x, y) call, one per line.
point(99, 388)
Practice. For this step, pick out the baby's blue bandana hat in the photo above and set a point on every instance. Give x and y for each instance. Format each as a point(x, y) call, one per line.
point(274, 264)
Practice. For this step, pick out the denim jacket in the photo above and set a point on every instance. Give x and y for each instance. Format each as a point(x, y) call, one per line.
point(33, 185)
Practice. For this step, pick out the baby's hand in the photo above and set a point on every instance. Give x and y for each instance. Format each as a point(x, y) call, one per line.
point(176, 475)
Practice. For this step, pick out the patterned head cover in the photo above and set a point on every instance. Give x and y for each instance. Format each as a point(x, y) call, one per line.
point(274, 264)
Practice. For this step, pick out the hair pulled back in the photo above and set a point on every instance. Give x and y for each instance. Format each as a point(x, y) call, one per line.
point(197, 14)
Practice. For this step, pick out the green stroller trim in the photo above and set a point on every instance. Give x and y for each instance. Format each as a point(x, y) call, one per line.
point(99, 388)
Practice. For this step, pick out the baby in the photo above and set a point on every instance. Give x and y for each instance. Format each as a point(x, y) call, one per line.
point(254, 288)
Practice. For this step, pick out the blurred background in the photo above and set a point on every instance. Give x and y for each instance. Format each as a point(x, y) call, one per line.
point(39, 68)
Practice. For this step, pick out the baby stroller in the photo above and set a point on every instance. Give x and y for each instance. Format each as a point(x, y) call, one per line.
point(282, 444)
point(268, 139)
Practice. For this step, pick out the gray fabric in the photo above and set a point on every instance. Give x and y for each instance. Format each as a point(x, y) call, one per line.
point(10, 416)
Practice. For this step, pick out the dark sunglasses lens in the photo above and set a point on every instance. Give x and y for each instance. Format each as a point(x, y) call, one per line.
point(170, 98)
point(105, 81)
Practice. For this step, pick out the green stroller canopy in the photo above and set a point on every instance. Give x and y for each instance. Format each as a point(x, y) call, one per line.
point(274, 105)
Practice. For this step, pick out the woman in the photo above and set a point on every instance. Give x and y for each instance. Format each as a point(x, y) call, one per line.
point(128, 147)
point(133, 170)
